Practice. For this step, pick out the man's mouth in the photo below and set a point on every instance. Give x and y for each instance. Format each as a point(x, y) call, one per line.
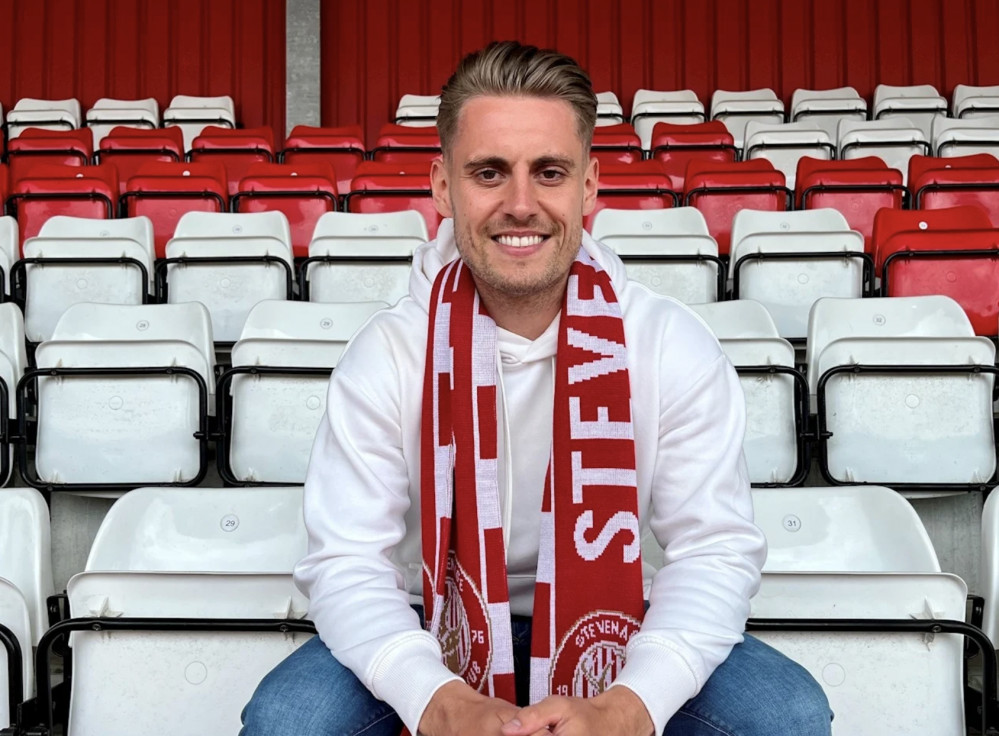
point(519, 241)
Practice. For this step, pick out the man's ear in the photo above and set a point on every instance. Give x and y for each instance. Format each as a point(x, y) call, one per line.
point(439, 187)
point(590, 180)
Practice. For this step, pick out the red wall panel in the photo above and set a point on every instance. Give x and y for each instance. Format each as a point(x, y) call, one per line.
point(376, 50)
point(129, 49)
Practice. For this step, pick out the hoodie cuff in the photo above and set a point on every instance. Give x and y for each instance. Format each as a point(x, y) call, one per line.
point(407, 676)
point(660, 677)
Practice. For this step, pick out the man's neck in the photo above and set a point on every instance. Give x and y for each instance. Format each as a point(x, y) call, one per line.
point(525, 316)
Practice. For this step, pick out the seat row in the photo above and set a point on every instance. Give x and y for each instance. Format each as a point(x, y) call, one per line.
point(186, 601)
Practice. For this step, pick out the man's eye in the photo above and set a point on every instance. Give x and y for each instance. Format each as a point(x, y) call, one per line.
point(551, 175)
point(488, 175)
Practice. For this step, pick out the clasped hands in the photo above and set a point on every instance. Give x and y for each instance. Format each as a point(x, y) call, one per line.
point(458, 710)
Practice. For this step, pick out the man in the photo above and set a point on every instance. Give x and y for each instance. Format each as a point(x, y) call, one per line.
point(499, 442)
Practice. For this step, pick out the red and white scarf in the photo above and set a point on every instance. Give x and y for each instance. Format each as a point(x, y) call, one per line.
point(588, 595)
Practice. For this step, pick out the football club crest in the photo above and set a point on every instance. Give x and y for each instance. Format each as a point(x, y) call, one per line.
point(465, 634)
point(592, 654)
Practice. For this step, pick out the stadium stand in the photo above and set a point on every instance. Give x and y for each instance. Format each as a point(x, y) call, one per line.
point(649, 107)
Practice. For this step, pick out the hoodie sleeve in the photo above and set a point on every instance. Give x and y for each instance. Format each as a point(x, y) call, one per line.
point(356, 498)
point(702, 518)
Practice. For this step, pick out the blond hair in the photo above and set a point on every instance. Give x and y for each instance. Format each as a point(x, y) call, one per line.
point(509, 68)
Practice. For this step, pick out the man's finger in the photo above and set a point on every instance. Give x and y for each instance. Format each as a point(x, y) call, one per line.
point(535, 718)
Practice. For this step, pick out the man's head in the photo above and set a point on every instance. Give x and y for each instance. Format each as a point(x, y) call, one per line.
point(517, 177)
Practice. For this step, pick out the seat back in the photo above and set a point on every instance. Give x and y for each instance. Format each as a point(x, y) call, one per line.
point(108, 113)
point(957, 137)
point(129, 149)
point(676, 145)
point(29, 112)
point(192, 114)
point(738, 109)
point(649, 107)
point(388, 187)
point(14, 617)
point(25, 556)
point(47, 190)
point(827, 107)
point(236, 150)
point(341, 148)
point(784, 144)
point(894, 140)
point(42, 145)
point(642, 185)
point(616, 144)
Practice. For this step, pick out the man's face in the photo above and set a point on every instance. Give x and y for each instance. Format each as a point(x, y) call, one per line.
point(517, 183)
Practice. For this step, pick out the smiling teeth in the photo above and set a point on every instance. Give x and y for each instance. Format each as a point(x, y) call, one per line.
point(519, 242)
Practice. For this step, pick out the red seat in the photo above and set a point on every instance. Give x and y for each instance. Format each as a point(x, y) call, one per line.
point(42, 145)
point(163, 192)
point(962, 264)
point(342, 148)
point(390, 187)
point(303, 192)
point(132, 148)
point(616, 144)
point(888, 223)
point(951, 182)
point(45, 190)
point(719, 189)
point(404, 144)
point(639, 186)
point(235, 148)
point(857, 187)
point(677, 145)
point(4, 186)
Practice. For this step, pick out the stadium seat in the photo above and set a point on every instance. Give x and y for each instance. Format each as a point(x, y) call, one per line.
point(903, 394)
point(787, 260)
point(13, 362)
point(675, 146)
point(721, 189)
point(123, 395)
point(609, 111)
point(387, 187)
point(192, 114)
point(129, 149)
point(616, 144)
point(165, 192)
point(857, 188)
point(41, 145)
point(33, 113)
point(669, 250)
point(642, 185)
point(303, 192)
point(990, 566)
point(784, 144)
point(4, 187)
point(937, 183)
point(273, 397)
point(737, 109)
point(356, 257)
point(969, 101)
point(890, 222)
point(236, 150)
point(108, 113)
point(341, 148)
point(827, 107)
point(776, 393)
point(404, 144)
point(16, 666)
point(918, 103)
point(228, 262)
point(417, 110)
point(955, 137)
point(649, 107)
point(894, 140)
point(10, 248)
point(25, 555)
point(47, 190)
point(75, 259)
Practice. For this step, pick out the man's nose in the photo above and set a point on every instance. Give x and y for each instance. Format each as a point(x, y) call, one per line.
point(521, 200)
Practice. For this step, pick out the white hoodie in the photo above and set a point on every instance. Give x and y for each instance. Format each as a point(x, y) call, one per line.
point(362, 507)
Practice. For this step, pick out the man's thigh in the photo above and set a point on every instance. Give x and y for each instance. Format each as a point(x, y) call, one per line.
point(311, 694)
point(757, 691)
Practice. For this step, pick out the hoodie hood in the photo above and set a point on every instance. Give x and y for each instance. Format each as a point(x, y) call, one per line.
point(430, 258)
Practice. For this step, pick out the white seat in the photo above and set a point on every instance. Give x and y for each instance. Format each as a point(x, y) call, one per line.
point(246, 530)
point(919, 103)
point(229, 290)
point(895, 140)
point(13, 352)
point(643, 237)
point(969, 101)
point(925, 672)
point(737, 109)
point(417, 110)
point(827, 107)
point(25, 554)
point(108, 113)
point(783, 144)
point(212, 674)
point(14, 617)
point(385, 242)
point(990, 566)
point(788, 286)
point(609, 110)
point(51, 114)
point(50, 288)
point(275, 416)
point(737, 318)
point(842, 529)
point(956, 137)
point(9, 242)
point(649, 107)
point(193, 113)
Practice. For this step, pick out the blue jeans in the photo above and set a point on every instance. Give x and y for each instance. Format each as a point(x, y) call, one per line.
point(757, 691)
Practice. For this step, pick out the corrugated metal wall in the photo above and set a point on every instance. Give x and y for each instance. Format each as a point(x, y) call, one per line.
point(376, 50)
point(129, 49)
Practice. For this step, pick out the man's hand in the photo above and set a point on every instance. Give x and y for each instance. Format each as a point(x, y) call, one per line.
point(615, 712)
point(458, 710)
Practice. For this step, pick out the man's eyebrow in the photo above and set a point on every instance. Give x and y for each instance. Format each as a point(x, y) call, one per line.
point(486, 162)
point(564, 161)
